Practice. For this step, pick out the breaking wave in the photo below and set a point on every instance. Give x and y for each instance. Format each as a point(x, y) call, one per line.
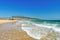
point(38, 30)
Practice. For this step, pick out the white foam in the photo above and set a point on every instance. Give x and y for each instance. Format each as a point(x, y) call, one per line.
point(33, 31)
point(53, 26)
point(29, 33)
point(28, 26)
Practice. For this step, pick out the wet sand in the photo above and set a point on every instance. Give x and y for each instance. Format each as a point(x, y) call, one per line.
point(14, 35)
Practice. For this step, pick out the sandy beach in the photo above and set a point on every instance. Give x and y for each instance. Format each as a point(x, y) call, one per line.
point(7, 21)
point(13, 34)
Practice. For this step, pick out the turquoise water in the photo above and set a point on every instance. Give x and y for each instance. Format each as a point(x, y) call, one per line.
point(39, 28)
point(55, 24)
point(51, 22)
point(46, 21)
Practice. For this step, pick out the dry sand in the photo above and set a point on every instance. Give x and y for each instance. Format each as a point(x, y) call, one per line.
point(7, 21)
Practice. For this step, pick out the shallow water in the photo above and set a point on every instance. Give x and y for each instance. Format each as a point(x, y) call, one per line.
point(39, 30)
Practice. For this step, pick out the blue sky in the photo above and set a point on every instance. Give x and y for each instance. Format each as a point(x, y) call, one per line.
point(44, 9)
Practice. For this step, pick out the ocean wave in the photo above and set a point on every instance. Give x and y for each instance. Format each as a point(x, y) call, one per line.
point(55, 27)
point(37, 31)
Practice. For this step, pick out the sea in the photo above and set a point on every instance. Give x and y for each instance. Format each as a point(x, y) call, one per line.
point(40, 28)
point(51, 23)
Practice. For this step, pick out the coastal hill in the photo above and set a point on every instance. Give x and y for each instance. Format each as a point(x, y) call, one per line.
point(19, 18)
point(23, 17)
point(15, 18)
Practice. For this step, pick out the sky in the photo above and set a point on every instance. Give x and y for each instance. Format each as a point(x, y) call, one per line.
point(43, 9)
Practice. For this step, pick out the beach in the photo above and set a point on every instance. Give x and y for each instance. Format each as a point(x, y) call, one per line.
point(12, 33)
point(27, 30)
